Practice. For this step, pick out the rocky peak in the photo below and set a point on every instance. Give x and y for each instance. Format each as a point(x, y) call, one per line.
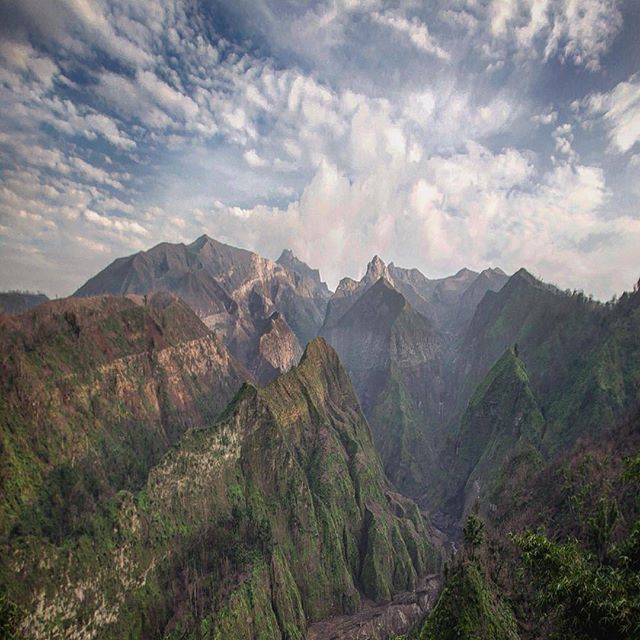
point(376, 269)
point(290, 261)
point(286, 256)
point(319, 353)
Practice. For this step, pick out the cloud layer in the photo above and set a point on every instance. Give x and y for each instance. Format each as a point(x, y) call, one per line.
point(438, 137)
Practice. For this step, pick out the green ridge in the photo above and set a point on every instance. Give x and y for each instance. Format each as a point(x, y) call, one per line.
point(276, 516)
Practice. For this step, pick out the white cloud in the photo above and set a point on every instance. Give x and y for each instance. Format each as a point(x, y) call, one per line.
point(253, 159)
point(619, 110)
point(547, 118)
point(385, 149)
point(563, 137)
point(580, 31)
point(417, 31)
point(118, 224)
point(490, 207)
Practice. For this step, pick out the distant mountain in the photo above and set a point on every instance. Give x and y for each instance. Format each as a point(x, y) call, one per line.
point(448, 302)
point(234, 291)
point(276, 516)
point(397, 331)
point(553, 332)
point(350, 290)
point(20, 301)
point(392, 354)
point(573, 368)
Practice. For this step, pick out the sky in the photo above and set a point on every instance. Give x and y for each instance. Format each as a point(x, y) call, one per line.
point(438, 135)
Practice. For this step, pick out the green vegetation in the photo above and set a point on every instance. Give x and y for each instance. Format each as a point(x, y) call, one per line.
point(589, 588)
point(277, 515)
point(468, 608)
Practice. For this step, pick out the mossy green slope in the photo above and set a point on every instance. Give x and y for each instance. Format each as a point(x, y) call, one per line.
point(503, 420)
point(277, 516)
point(581, 356)
point(605, 385)
point(468, 608)
point(577, 366)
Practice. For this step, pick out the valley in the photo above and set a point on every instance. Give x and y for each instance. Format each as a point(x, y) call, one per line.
point(204, 443)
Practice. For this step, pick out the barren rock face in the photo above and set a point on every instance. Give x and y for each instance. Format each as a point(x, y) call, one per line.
point(278, 349)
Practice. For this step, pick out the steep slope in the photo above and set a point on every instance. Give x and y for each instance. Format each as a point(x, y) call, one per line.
point(93, 392)
point(20, 301)
point(606, 383)
point(502, 421)
point(551, 328)
point(276, 516)
point(581, 356)
point(468, 607)
point(234, 291)
point(288, 260)
point(391, 354)
point(581, 364)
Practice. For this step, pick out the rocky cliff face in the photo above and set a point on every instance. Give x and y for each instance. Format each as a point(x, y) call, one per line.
point(276, 516)
point(234, 291)
point(288, 260)
point(93, 392)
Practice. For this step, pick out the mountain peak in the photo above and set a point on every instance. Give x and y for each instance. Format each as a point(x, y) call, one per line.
point(524, 275)
point(465, 273)
point(202, 240)
point(286, 256)
point(319, 352)
point(376, 269)
point(290, 261)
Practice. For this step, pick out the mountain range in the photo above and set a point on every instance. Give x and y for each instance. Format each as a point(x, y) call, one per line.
point(202, 442)
point(264, 311)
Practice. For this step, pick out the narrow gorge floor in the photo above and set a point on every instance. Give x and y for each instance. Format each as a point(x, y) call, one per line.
point(380, 621)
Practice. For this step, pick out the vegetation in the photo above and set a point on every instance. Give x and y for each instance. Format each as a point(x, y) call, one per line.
point(590, 587)
point(469, 605)
point(277, 515)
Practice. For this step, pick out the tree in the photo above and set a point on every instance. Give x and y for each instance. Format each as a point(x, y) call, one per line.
point(473, 533)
